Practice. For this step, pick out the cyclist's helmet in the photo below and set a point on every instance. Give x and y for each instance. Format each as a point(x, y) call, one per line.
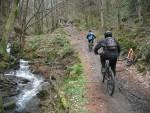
point(108, 34)
point(90, 30)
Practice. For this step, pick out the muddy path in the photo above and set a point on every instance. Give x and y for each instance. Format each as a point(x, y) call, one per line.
point(130, 95)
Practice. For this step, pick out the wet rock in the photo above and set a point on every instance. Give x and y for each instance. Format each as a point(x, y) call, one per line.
point(10, 105)
point(34, 69)
point(24, 81)
point(42, 94)
point(14, 92)
point(8, 86)
point(45, 90)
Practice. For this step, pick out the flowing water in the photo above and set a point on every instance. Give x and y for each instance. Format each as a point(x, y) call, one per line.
point(29, 89)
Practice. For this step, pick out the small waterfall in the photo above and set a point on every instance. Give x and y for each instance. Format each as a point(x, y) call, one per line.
point(32, 87)
point(8, 48)
point(29, 89)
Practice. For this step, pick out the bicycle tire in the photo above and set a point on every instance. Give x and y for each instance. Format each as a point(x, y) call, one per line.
point(90, 46)
point(110, 82)
point(103, 76)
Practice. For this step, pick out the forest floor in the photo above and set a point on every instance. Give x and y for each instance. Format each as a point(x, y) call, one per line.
point(132, 94)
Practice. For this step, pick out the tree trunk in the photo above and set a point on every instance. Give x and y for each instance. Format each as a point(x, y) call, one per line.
point(52, 15)
point(25, 11)
point(118, 17)
point(9, 26)
point(140, 11)
point(102, 14)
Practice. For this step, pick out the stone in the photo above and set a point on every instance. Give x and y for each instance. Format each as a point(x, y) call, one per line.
point(10, 105)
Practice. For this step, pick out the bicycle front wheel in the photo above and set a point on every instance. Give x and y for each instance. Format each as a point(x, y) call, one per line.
point(110, 82)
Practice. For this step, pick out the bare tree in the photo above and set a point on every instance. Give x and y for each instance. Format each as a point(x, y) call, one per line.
point(9, 26)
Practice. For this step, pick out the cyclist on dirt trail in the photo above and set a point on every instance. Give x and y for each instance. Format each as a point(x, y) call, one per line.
point(90, 36)
point(111, 51)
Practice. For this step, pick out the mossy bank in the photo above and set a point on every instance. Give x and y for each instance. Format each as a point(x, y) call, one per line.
point(52, 56)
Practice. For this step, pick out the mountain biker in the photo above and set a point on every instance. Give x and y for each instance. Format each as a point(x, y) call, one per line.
point(111, 51)
point(90, 36)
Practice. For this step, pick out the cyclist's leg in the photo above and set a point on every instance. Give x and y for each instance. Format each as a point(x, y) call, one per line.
point(103, 60)
point(92, 41)
point(113, 62)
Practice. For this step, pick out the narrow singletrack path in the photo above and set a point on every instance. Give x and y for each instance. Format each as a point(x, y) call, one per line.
point(129, 97)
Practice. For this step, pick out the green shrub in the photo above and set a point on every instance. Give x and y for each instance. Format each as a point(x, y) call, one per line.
point(62, 47)
point(76, 70)
point(60, 41)
point(145, 53)
point(34, 44)
point(141, 68)
point(52, 55)
point(127, 42)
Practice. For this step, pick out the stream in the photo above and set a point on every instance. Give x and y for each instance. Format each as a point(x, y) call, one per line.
point(29, 86)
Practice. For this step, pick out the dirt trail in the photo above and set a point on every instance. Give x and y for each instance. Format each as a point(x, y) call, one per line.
point(129, 96)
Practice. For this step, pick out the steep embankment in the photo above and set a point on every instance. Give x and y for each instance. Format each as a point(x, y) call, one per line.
point(53, 57)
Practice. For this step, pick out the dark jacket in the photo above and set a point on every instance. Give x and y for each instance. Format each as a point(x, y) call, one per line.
point(89, 34)
point(107, 52)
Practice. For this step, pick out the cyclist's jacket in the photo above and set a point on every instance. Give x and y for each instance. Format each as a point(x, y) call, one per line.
point(110, 47)
point(90, 36)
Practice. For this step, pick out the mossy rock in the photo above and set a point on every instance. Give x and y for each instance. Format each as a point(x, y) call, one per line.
point(15, 49)
point(3, 65)
point(43, 94)
point(10, 105)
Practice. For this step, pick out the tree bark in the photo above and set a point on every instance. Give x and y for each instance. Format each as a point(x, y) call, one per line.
point(140, 11)
point(102, 14)
point(9, 26)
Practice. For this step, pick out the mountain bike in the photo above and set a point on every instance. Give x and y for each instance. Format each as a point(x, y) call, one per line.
point(90, 45)
point(109, 77)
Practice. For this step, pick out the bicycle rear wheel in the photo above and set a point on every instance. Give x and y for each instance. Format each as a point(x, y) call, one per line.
point(110, 82)
point(103, 75)
point(90, 46)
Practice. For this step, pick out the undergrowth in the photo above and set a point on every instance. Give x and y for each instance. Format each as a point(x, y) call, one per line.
point(74, 87)
point(55, 50)
point(140, 48)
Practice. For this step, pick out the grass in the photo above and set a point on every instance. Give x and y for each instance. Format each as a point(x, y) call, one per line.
point(74, 88)
point(55, 47)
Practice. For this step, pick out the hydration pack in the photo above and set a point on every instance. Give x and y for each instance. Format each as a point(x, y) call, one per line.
point(111, 43)
point(90, 37)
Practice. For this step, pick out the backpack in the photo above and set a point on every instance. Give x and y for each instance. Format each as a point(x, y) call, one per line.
point(90, 37)
point(111, 43)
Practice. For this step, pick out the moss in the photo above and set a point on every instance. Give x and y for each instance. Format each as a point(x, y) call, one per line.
point(34, 55)
point(6, 58)
point(10, 105)
point(15, 49)
point(3, 65)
